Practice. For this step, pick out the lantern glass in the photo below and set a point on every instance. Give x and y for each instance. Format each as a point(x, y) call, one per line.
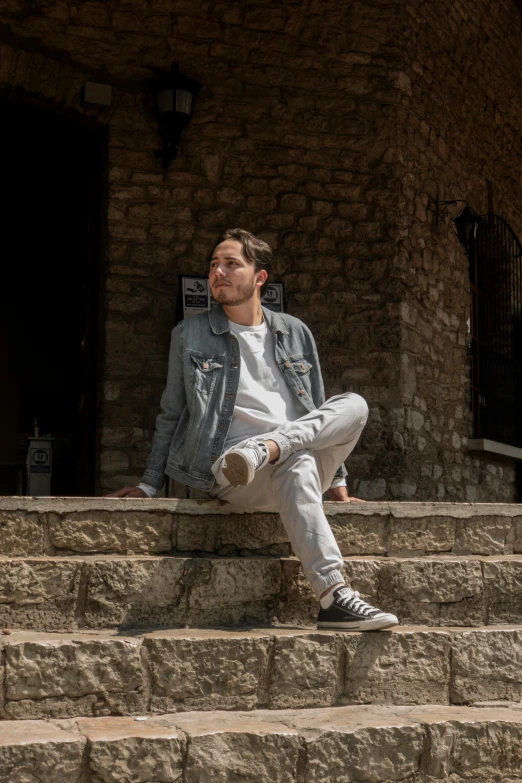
point(175, 97)
point(467, 224)
point(184, 100)
point(166, 101)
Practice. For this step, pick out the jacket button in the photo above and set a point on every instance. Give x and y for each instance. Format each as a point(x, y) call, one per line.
point(302, 391)
point(303, 367)
point(287, 364)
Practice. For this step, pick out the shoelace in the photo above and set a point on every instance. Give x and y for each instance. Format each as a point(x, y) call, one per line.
point(355, 602)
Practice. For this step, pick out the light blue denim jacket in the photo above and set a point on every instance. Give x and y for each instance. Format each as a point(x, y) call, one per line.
point(199, 397)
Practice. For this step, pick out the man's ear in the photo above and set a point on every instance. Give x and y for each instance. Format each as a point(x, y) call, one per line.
point(261, 277)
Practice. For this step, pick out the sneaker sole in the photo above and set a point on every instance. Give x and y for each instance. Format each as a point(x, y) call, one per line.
point(378, 624)
point(238, 471)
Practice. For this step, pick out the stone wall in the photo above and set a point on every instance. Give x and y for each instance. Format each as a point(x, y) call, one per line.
point(325, 128)
point(462, 126)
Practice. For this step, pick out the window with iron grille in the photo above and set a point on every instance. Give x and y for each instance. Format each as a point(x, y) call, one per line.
point(496, 332)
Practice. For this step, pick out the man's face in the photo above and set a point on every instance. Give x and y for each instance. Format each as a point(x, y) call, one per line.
point(232, 278)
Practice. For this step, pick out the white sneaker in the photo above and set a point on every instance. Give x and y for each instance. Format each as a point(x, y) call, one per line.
point(241, 464)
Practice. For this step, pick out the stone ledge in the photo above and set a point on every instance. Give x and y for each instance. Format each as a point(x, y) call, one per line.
point(494, 447)
point(96, 674)
point(62, 505)
point(378, 743)
point(69, 526)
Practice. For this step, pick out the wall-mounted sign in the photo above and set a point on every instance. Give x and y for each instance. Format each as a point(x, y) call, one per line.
point(40, 460)
point(274, 297)
point(196, 297)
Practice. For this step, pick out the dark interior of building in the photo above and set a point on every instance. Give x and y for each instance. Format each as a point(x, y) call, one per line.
point(48, 312)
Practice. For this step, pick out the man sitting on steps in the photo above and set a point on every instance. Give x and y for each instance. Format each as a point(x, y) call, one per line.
point(243, 416)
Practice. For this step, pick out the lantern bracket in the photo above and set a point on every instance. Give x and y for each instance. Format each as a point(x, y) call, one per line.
point(442, 206)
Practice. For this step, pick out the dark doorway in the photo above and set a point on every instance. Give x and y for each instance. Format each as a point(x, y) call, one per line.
point(51, 173)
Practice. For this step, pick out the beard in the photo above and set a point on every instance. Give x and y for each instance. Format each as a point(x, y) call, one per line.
point(234, 296)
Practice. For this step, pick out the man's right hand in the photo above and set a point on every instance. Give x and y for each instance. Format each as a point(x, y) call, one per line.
point(128, 492)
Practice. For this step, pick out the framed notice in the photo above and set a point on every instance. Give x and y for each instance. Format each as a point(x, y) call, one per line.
point(195, 295)
point(274, 297)
point(40, 456)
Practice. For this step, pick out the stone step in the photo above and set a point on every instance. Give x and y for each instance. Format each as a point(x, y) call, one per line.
point(99, 674)
point(331, 745)
point(107, 591)
point(69, 526)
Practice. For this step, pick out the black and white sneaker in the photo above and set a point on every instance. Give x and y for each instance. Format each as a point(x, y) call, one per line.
point(241, 464)
point(348, 612)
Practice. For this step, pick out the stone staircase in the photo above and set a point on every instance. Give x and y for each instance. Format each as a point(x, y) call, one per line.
point(164, 640)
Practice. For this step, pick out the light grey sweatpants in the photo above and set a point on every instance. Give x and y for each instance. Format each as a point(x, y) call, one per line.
point(312, 448)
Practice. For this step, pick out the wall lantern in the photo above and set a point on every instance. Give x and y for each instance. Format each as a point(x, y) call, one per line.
point(466, 222)
point(175, 94)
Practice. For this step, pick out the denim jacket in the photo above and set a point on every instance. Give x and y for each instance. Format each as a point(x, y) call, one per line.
point(199, 397)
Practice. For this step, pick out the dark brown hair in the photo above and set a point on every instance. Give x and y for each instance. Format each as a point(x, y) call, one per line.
point(255, 250)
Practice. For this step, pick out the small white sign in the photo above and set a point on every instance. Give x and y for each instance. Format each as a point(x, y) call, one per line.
point(196, 295)
point(273, 298)
point(40, 460)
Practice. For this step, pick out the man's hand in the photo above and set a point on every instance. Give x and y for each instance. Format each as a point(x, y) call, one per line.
point(128, 492)
point(340, 495)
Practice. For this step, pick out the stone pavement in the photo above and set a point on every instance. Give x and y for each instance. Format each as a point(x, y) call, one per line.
point(163, 640)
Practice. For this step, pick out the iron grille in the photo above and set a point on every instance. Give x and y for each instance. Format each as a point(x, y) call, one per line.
point(496, 332)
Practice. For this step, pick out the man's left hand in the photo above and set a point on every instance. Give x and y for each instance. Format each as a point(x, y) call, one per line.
point(340, 495)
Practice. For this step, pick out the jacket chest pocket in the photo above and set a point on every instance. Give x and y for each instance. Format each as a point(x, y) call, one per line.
point(205, 371)
point(301, 367)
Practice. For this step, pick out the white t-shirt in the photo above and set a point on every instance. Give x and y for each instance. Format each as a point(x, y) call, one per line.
point(264, 400)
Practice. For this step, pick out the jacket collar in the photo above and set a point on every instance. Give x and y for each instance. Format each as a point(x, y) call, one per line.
point(219, 321)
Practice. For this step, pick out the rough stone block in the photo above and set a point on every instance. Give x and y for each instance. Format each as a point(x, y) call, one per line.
point(304, 671)
point(39, 593)
point(433, 591)
point(138, 591)
point(56, 678)
point(21, 533)
point(232, 591)
point(123, 749)
point(486, 665)
point(91, 532)
point(203, 670)
point(358, 535)
point(363, 745)
point(503, 586)
point(397, 668)
point(228, 748)
point(40, 752)
point(483, 746)
point(228, 533)
point(422, 535)
point(484, 535)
